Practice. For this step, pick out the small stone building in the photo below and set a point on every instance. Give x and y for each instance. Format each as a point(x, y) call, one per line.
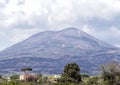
point(28, 77)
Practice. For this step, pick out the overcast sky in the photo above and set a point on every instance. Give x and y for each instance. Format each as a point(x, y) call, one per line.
point(20, 19)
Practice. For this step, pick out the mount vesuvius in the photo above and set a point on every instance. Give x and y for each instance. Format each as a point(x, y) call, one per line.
point(49, 51)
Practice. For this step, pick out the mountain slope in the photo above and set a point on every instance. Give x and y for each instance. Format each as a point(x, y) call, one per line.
point(68, 45)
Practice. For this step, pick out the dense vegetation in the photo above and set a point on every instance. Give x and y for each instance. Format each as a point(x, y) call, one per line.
point(109, 75)
point(71, 73)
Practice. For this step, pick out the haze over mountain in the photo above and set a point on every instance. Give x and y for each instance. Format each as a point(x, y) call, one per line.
point(49, 51)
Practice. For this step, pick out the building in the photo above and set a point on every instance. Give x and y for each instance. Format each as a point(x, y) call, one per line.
point(28, 77)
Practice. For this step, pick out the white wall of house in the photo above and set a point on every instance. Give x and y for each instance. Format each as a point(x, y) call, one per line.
point(22, 77)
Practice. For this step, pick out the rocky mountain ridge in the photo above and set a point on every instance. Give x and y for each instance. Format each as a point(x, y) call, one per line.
point(49, 51)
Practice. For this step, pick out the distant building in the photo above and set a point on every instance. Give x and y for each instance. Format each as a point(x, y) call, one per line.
point(28, 77)
point(57, 76)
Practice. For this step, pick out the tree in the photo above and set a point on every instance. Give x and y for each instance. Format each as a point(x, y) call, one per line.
point(71, 73)
point(26, 69)
point(14, 77)
point(111, 73)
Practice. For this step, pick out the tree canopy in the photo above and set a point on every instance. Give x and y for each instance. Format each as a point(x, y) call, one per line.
point(71, 73)
point(26, 69)
point(111, 73)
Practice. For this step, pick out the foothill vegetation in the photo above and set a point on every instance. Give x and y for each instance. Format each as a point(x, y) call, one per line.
point(109, 75)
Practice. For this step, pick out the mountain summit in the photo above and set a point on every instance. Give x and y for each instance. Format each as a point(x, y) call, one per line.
point(51, 50)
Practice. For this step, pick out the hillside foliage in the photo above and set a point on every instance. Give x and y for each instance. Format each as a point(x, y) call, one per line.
point(110, 75)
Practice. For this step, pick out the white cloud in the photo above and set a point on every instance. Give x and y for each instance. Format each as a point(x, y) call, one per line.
point(87, 29)
point(61, 11)
point(2, 33)
point(115, 31)
point(25, 17)
point(104, 9)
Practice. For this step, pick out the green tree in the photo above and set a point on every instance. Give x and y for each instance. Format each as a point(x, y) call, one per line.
point(26, 69)
point(13, 83)
point(71, 73)
point(93, 80)
point(111, 73)
point(14, 77)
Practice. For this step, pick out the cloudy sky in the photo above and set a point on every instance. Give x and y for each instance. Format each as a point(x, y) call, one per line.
point(20, 19)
